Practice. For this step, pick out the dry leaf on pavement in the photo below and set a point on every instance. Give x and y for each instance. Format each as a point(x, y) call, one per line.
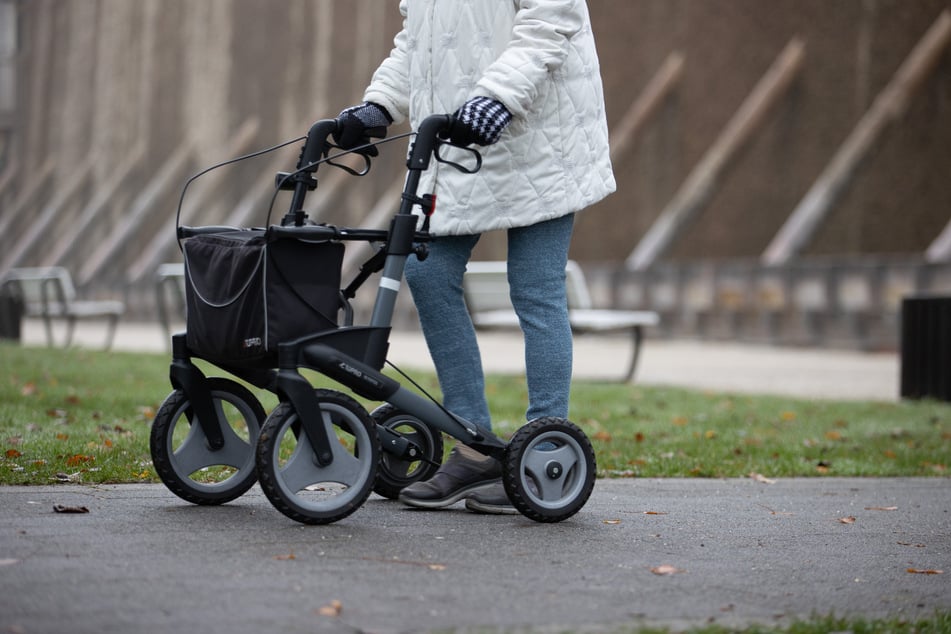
point(334, 608)
point(665, 569)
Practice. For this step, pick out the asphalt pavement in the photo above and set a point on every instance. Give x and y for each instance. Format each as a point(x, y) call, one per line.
point(722, 366)
point(642, 552)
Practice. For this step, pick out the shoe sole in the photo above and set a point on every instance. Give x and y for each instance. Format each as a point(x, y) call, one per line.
point(490, 509)
point(449, 500)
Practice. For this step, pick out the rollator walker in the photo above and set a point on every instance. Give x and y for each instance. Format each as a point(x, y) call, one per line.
point(263, 305)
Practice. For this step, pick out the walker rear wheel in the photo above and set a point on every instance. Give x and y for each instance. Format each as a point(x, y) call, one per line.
point(549, 469)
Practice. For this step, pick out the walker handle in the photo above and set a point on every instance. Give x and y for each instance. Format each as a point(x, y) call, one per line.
point(426, 138)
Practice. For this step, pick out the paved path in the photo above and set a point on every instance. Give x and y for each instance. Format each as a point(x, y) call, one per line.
point(740, 551)
point(809, 373)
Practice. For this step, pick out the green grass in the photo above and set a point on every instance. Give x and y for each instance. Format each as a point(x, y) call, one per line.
point(84, 415)
point(940, 623)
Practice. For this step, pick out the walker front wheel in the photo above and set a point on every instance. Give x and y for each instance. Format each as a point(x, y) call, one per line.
point(288, 471)
point(549, 469)
point(181, 453)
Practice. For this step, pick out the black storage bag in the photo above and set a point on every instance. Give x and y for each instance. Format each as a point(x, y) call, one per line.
point(245, 294)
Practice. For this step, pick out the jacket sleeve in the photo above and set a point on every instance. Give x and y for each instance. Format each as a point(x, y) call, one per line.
point(390, 84)
point(541, 38)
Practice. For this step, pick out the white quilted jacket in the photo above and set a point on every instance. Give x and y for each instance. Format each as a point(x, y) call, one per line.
point(538, 58)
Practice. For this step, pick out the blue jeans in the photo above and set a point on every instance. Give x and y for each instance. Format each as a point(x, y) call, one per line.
point(537, 256)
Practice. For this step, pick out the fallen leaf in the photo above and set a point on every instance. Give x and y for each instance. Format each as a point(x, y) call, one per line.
point(78, 459)
point(28, 389)
point(919, 571)
point(602, 436)
point(334, 608)
point(758, 477)
point(665, 569)
point(286, 557)
point(847, 520)
point(62, 508)
point(396, 560)
point(655, 512)
point(13, 453)
point(881, 508)
point(612, 521)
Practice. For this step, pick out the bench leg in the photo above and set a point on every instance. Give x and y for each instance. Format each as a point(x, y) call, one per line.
point(48, 324)
point(637, 337)
point(111, 332)
point(70, 329)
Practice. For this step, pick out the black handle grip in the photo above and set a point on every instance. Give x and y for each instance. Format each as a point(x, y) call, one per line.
point(316, 142)
point(426, 137)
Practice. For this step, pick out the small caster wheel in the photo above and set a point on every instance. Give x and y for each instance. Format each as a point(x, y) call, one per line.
point(549, 469)
point(401, 466)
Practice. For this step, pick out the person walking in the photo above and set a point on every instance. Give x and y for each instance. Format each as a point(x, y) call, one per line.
point(522, 80)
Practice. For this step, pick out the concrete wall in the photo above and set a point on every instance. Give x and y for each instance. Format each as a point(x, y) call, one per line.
point(118, 102)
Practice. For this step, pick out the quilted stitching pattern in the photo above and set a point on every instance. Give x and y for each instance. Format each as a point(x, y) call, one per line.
point(552, 159)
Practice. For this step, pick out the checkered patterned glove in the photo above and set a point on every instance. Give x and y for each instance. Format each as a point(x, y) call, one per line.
point(480, 120)
point(358, 123)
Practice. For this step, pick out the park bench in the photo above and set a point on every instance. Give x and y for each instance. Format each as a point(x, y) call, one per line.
point(486, 290)
point(48, 293)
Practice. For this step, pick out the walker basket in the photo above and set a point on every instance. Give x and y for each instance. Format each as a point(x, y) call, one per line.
point(247, 292)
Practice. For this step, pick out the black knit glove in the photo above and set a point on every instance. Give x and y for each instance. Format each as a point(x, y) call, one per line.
point(358, 123)
point(480, 120)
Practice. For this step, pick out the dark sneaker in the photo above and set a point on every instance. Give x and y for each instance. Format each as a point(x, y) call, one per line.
point(491, 499)
point(464, 471)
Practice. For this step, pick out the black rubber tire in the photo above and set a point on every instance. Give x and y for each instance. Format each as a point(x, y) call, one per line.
point(549, 469)
point(169, 461)
point(394, 473)
point(319, 495)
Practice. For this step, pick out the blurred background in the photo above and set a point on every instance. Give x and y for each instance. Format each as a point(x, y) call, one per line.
point(783, 167)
